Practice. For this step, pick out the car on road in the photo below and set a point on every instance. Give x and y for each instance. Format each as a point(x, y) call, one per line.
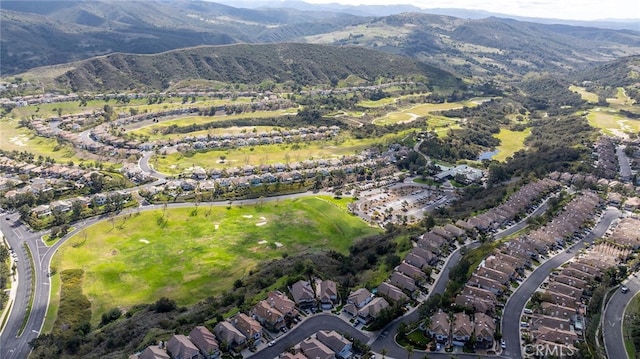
point(384, 333)
point(503, 344)
point(272, 343)
point(624, 289)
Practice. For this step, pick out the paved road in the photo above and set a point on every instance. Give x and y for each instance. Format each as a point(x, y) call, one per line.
point(613, 319)
point(623, 160)
point(515, 304)
point(310, 325)
point(10, 346)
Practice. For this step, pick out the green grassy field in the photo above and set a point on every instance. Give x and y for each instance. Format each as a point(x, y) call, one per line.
point(190, 120)
point(17, 138)
point(586, 95)
point(632, 309)
point(46, 110)
point(138, 259)
point(611, 122)
point(510, 142)
point(410, 114)
point(175, 163)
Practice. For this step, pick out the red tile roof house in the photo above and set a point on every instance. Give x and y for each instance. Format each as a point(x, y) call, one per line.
point(392, 292)
point(432, 242)
point(249, 327)
point(227, 333)
point(555, 335)
point(204, 340)
point(479, 293)
point(457, 232)
point(180, 347)
point(303, 294)
point(282, 303)
point(440, 327)
point(287, 355)
point(153, 352)
point(370, 311)
point(461, 330)
point(484, 330)
point(270, 318)
point(313, 348)
point(360, 297)
point(415, 260)
point(489, 273)
point(327, 293)
point(336, 342)
point(402, 281)
point(416, 273)
point(487, 284)
point(440, 231)
point(558, 311)
point(476, 304)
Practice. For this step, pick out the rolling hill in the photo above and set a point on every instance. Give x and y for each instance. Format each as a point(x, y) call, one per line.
point(299, 64)
point(39, 33)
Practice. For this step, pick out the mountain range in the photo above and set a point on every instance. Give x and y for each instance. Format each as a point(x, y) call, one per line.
point(41, 33)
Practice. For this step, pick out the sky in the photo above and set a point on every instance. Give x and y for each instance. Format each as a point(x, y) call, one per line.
point(551, 9)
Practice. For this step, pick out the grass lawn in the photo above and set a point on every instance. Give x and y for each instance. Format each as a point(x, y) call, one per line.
point(175, 163)
point(586, 95)
point(611, 122)
point(46, 110)
point(54, 304)
point(23, 139)
point(421, 110)
point(510, 142)
point(621, 98)
point(632, 309)
point(138, 259)
point(190, 120)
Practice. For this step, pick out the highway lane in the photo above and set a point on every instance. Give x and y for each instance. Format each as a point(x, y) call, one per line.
point(515, 304)
point(613, 322)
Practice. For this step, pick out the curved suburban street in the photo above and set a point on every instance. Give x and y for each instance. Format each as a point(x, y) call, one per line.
point(613, 319)
point(515, 305)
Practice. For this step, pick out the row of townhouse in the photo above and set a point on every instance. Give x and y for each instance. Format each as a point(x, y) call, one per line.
point(565, 226)
point(65, 206)
point(44, 170)
point(606, 161)
point(490, 282)
point(245, 181)
point(458, 329)
point(518, 204)
point(559, 319)
point(106, 135)
point(199, 344)
point(322, 345)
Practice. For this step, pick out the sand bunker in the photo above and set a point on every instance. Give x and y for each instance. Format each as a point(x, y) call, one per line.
point(263, 218)
point(216, 226)
point(263, 242)
point(260, 224)
point(20, 140)
point(278, 244)
point(144, 241)
point(247, 216)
